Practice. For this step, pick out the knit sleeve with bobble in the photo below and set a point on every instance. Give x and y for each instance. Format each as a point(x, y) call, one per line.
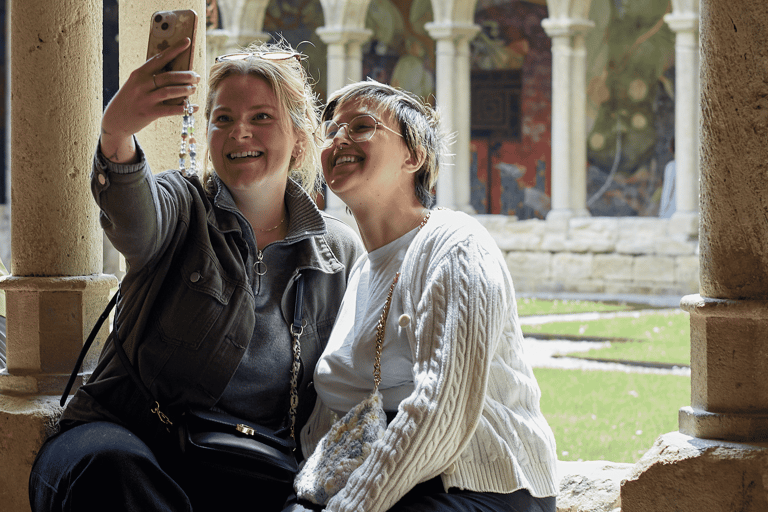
point(456, 294)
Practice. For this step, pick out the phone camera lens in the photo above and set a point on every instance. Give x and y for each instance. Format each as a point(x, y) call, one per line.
point(158, 18)
point(164, 26)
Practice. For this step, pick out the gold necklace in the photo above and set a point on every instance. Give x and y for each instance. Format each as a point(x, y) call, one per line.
point(274, 228)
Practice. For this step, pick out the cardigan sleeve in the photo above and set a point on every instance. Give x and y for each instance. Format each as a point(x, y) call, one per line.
point(458, 295)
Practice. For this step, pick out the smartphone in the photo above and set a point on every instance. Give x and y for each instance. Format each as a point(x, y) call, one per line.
point(166, 29)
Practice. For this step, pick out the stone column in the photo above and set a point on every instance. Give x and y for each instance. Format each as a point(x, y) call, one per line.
point(729, 320)
point(453, 94)
point(344, 66)
point(56, 290)
point(718, 459)
point(684, 21)
point(569, 124)
point(160, 140)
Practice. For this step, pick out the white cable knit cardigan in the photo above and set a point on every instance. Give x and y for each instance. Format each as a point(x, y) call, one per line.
point(474, 415)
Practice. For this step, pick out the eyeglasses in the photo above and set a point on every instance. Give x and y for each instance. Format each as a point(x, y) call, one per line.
point(359, 129)
point(277, 55)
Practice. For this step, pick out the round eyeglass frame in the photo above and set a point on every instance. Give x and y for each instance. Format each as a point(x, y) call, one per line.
point(325, 142)
point(276, 55)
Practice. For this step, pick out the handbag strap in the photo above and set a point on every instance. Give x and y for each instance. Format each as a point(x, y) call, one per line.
point(380, 330)
point(382, 325)
point(86, 347)
point(297, 329)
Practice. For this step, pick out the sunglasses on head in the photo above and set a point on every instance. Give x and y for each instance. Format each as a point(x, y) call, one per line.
point(276, 55)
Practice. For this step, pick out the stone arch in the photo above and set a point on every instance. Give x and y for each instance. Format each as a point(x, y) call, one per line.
point(349, 14)
point(573, 9)
point(455, 12)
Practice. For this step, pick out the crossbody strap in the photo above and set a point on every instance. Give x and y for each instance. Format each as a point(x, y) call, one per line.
point(86, 347)
point(296, 328)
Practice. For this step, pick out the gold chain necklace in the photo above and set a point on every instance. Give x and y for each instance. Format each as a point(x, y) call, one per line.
point(274, 228)
point(382, 325)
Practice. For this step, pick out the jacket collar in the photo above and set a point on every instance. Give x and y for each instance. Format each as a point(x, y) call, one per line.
point(306, 223)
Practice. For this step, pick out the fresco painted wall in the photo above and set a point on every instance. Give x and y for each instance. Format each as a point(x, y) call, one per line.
point(630, 109)
point(297, 21)
point(630, 88)
point(510, 176)
point(401, 52)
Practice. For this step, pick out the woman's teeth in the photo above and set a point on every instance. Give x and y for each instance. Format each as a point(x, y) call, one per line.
point(345, 160)
point(243, 154)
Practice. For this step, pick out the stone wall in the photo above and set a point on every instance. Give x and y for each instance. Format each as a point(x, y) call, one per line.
point(611, 255)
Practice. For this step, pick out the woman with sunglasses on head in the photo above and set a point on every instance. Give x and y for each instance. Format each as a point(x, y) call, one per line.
point(216, 266)
point(465, 431)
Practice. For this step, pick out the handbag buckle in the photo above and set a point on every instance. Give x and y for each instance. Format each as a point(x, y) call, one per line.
point(245, 429)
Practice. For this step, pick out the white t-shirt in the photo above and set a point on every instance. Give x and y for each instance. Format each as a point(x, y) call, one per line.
point(344, 373)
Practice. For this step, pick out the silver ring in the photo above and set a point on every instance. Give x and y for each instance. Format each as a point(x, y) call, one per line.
point(154, 82)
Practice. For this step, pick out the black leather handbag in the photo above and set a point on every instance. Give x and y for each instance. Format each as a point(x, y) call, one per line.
point(231, 445)
point(218, 441)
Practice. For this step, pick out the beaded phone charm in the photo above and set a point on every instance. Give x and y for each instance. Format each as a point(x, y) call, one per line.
point(188, 140)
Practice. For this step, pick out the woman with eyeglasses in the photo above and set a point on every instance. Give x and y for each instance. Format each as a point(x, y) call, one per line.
point(218, 268)
point(465, 431)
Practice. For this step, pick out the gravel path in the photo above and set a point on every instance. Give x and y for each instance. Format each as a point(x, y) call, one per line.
point(541, 352)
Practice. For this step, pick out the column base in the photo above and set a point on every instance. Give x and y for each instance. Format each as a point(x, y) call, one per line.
point(25, 423)
point(730, 426)
point(38, 384)
point(688, 474)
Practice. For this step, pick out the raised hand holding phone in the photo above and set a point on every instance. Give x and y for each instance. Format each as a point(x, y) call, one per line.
point(142, 99)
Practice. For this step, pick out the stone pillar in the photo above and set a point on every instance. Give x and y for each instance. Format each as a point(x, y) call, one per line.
point(160, 140)
point(729, 321)
point(684, 21)
point(569, 124)
point(719, 458)
point(344, 66)
point(56, 290)
point(453, 94)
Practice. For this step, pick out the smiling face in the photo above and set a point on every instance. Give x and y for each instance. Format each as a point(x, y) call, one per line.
point(250, 136)
point(360, 171)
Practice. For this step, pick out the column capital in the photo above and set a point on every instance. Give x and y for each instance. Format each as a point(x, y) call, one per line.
point(343, 35)
point(454, 31)
point(682, 21)
point(566, 27)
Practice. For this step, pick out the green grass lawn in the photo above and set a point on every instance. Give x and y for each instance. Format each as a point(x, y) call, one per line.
point(661, 337)
point(615, 416)
point(527, 306)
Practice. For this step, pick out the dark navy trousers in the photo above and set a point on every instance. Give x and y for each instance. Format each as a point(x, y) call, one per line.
point(102, 466)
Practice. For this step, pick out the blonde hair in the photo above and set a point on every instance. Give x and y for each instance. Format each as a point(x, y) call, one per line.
point(419, 125)
point(291, 84)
